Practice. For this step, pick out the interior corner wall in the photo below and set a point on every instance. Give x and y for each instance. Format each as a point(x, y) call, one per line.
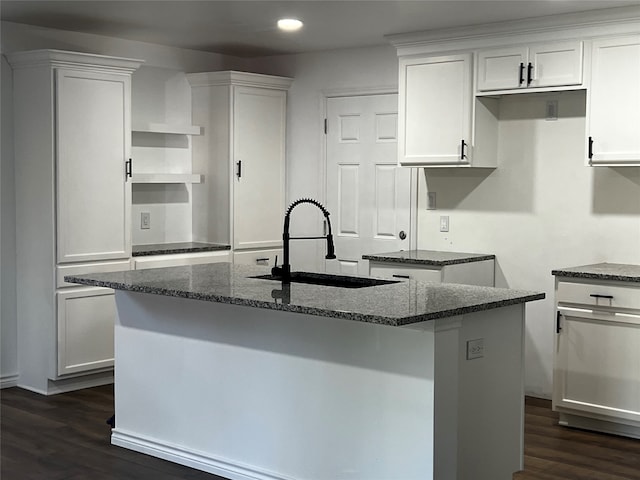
point(314, 76)
point(8, 317)
point(542, 208)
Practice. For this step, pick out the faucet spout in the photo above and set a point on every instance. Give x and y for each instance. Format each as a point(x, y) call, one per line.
point(284, 271)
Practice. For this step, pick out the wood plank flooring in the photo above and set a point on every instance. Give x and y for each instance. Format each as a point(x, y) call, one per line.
point(65, 437)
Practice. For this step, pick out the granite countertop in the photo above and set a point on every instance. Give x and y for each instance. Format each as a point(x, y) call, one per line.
point(428, 257)
point(179, 247)
point(395, 304)
point(602, 271)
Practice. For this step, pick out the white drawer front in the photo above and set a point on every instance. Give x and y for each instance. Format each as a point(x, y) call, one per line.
point(599, 295)
point(179, 259)
point(397, 272)
point(80, 269)
point(259, 257)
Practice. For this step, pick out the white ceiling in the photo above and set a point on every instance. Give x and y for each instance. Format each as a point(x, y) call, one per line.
point(246, 28)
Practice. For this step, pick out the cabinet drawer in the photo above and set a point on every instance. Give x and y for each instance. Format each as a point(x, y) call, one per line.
point(598, 295)
point(404, 273)
point(257, 257)
point(83, 268)
point(178, 259)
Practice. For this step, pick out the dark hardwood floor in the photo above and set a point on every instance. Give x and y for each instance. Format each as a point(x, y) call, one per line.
point(65, 437)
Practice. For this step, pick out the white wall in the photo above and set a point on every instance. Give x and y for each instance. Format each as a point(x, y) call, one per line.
point(541, 209)
point(161, 77)
point(316, 75)
point(8, 325)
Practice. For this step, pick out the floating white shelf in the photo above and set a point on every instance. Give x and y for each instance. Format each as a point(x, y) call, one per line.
point(169, 128)
point(166, 178)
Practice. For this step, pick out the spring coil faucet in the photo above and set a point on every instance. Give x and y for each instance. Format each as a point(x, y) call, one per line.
point(284, 271)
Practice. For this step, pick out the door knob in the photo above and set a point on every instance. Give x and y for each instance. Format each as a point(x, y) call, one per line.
point(402, 235)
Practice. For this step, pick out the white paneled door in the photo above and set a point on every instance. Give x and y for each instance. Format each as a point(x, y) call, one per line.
point(368, 195)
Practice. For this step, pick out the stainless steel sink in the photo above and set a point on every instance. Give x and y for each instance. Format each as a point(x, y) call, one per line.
point(329, 280)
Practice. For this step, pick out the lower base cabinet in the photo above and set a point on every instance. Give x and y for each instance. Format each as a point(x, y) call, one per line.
point(180, 259)
point(258, 257)
point(596, 374)
point(470, 273)
point(86, 317)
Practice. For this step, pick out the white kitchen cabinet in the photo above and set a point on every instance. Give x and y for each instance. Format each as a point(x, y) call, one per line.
point(72, 144)
point(93, 142)
point(469, 273)
point(179, 259)
point(596, 374)
point(86, 317)
point(258, 257)
point(242, 154)
point(537, 66)
point(435, 110)
point(613, 102)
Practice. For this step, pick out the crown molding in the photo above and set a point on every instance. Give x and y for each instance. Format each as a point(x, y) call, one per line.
point(62, 58)
point(611, 21)
point(231, 77)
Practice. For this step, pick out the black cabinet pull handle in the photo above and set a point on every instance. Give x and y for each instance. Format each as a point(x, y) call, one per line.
point(521, 77)
point(529, 73)
point(462, 154)
point(239, 163)
point(262, 259)
point(590, 148)
point(558, 327)
point(597, 295)
point(128, 167)
point(401, 276)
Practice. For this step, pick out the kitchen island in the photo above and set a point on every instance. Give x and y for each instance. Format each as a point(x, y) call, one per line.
point(251, 379)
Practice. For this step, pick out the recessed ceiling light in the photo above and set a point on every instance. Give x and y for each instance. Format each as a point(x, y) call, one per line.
point(289, 24)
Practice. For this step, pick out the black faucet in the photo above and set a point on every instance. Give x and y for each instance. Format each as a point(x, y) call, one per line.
point(284, 272)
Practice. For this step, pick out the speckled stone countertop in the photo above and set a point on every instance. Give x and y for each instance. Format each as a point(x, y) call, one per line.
point(395, 304)
point(602, 271)
point(428, 257)
point(181, 247)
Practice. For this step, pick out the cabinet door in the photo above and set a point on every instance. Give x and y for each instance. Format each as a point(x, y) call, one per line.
point(93, 142)
point(434, 111)
point(259, 155)
point(502, 69)
point(85, 329)
point(556, 64)
point(613, 102)
point(597, 366)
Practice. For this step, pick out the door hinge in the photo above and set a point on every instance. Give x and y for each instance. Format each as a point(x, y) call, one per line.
point(325, 126)
point(558, 326)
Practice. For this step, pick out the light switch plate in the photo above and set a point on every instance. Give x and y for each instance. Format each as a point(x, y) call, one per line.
point(444, 223)
point(145, 220)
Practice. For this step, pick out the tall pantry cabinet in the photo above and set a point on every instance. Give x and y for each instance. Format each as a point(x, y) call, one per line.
point(72, 146)
point(242, 154)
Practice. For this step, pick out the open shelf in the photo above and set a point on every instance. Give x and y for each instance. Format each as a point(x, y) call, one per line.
point(168, 128)
point(166, 178)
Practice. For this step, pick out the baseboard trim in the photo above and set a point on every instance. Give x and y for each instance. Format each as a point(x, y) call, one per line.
point(7, 381)
point(196, 460)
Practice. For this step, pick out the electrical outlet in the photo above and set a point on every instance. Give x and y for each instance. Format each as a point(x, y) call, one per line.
point(475, 348)
point(431, 200)
point(145, 221)
point(444, 223)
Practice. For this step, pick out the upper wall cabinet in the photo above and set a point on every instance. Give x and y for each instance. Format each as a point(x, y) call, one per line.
point(613, 102)
point(435, 110)
point(536, 66)
point(242, 155)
